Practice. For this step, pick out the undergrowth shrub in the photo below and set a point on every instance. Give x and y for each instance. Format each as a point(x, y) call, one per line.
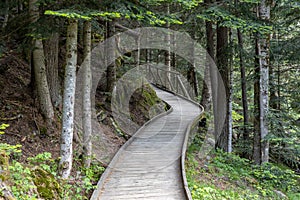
point(38, 177)
point(227, 176)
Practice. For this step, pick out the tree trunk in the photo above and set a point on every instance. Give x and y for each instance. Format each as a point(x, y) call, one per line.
point(192, 74)
point(148, 55)
point(66, 151)
point(20, 6)
point(274, 99)
point(111, 69)
point(261, 152)
point(87, 81)
point(222, 63)
point(256, 138)
point(168, 51)
point(244, 86)
point(173, 56)
point(51, 54)
point(278, 88)
point(138, 52)
point(230, 94)
point(38, 58)
point(206, 97)
point(6, 14)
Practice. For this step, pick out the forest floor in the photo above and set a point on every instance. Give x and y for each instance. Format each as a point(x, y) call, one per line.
point(221, 175)
point(218, 176)
point(27, 128)
point(19, 109)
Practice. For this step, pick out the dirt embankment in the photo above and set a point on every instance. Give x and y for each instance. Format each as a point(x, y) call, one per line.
point(19, 109)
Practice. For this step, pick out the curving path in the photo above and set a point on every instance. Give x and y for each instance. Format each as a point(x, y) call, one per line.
point(148, 166)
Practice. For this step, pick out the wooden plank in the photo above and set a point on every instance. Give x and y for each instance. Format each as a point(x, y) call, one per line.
point(150, 166)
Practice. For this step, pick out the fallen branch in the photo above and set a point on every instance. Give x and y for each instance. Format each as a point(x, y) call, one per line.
point(11, 118)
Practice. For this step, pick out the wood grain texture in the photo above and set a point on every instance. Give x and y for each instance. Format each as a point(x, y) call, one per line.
point(149, 166)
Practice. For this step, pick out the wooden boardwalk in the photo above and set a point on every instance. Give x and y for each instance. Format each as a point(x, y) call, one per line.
point(148, 166)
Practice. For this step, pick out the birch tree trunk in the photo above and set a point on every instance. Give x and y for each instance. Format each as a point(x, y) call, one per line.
point(261, 151)
point(230, 94)
point(40, 74)
point(168, 51)
point(66, 151)
point(87, 85)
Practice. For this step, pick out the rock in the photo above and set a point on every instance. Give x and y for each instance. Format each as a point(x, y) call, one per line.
point(280, 194)
point(47, 186)
point(211, 142)
point(5, 192)
point(4, 166)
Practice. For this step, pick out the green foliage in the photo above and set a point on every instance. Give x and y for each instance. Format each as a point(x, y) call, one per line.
point(47, 185)
point(87, 15)
point(236, 116)
point(230, 163)
point(3, 127)
point(210, 192)
point(186, 4)
point(272, 176)
point(23, 187)
point(45, 161)
point(123, 9)
point(10, 150)
point(144, 12)
point(227, 176)
point(250, 1)
point(225, 18)
point(87, 183)
point(39, 178)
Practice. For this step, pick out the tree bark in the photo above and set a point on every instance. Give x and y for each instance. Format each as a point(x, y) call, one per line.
point(222, 63)
point(51, 54)
point(244, 86)
point(230, 94)
point(138, 52)
point(111, 69)
point(192, 74)
point(66, 151)
point(87, 86)
point(40, 75)
point(173, 56)
point(20, 6)
point(206, 97)
point(6, 14)
point(274, 96)
point(168, 51)
point(261, 152)
point(257, 137)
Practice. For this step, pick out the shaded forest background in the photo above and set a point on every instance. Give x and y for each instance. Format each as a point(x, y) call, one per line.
point(254, 43)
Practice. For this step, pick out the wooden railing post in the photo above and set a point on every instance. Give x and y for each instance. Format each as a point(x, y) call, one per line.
point(185, 93)
point(170, 80)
